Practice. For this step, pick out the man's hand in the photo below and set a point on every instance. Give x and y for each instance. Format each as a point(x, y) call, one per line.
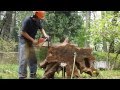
point(44, 33)
point(35, 42)
point(47, 36)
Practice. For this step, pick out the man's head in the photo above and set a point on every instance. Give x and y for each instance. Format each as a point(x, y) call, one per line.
point(39, 14)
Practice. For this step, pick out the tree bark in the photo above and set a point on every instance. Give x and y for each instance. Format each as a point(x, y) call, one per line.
point(88, 15)
point(7, 21)
point(104, 41)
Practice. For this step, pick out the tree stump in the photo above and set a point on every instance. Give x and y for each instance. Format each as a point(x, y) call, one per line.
point(64, 53)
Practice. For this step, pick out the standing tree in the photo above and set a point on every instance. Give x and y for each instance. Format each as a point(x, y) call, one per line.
point(5, 29)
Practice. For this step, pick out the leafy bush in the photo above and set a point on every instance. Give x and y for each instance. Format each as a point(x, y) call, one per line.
point(7, 46)
point(41, 53)
point(103, 56)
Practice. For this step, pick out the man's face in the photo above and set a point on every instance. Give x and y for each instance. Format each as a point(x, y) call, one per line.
point(36, 19)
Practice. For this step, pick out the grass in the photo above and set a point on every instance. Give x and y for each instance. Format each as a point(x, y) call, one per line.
point(10, 71)
point(109, 74)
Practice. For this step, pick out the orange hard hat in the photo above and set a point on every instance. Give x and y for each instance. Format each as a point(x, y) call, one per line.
point(40, 14)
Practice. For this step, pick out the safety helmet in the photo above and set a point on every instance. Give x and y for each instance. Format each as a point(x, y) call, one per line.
point(39, 14)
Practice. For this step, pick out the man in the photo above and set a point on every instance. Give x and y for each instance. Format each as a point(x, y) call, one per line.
point(27, 42)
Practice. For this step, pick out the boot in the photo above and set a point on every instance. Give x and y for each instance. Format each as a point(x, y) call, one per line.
point(33, 76)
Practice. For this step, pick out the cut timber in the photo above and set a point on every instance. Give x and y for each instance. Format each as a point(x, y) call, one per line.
point(64, 53)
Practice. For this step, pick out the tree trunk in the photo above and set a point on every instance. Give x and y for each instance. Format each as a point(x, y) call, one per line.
point(104, 41)
point(7, 25)
point(111, 47)
point(13, 26)
point(114, 23)
point(2, 22)
point(104, 46)
point(0, 16)
point(88, 15)
point(110, 51)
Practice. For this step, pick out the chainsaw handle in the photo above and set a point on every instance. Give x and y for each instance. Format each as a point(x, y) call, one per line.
point(48, 40)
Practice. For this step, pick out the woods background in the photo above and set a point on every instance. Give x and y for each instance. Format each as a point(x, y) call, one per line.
point(99, 30)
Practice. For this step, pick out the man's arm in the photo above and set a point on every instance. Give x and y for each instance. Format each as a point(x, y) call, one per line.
point(44, 33)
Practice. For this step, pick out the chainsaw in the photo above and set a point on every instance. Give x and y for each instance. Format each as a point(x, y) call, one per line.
point(42, 40)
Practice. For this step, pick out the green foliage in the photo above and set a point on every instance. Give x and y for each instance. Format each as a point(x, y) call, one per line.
point(80, 38)
point(7, 46)
point(104, 29)
point(14, 33)
point(61, 24)
point(103, 56)
point(109, 74)
point(41, 54)
point(20, 16)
